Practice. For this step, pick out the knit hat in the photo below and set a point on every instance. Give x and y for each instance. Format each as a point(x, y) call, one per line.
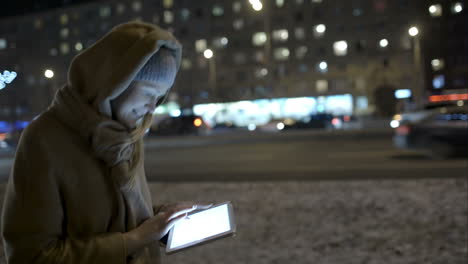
point(161, 68)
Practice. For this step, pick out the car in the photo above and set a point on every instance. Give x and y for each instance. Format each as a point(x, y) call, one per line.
point(180, 125)
point(439, 132)
point(320, 121)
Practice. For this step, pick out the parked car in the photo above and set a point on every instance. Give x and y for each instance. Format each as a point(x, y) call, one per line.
point(181, 125)
point(440, 132)
point(323, 121)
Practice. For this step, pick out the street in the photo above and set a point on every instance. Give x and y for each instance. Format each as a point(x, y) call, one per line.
point(316, 198)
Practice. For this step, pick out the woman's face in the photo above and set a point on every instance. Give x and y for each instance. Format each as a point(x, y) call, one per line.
point(136, 101)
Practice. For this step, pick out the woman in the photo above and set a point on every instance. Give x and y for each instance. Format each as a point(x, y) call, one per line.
point(77, 191)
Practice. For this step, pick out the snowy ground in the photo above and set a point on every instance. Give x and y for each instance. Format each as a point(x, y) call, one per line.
point(405, 221)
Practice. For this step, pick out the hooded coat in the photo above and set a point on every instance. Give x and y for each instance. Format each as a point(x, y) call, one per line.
point(68, 200)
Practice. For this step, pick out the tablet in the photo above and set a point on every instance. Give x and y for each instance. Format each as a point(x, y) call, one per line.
point(200, 227)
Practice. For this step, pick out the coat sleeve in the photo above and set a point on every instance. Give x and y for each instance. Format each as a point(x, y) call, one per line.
point(33, 218)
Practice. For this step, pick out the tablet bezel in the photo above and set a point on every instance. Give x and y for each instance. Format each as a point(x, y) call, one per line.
point(230, 232)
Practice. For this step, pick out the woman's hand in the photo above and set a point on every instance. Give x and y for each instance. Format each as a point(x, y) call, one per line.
point(157, 226)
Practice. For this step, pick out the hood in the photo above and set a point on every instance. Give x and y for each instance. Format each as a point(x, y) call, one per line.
point(104, 70)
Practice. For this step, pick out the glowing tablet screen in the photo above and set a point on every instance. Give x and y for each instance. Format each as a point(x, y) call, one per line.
point(200, 227)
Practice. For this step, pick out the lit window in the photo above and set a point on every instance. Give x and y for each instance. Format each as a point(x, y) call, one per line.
point(321, 86)
point(301, 52)
point(64, 32)
point(457, 7)
point(281, 54)
point(136, 6)
point(64, 19)
point(340, 48)
point(259, 38)
point(105, 11)
point(78, 46)
point(299, 33)
point(280, 35)
point(238, 24)
point(200, 45)
point(53, 52)
point(236, 6)
point(38, 24)
point(383, 43)
point(319, 30)
point(168, 17)
point(185, 14)
point(240, 58)
point(168, 3)
point(220, 42)
point(316, 1)
point(322, 67)
point(435, 10)
point(299, 2)
point(438, 82)
point(261, 72)
point(186, 64)
point(3, 44)
point(64, 48)
point(279, 3)
point(120, 8)
point(357, 12)
point(437, 64)
point(218, 10)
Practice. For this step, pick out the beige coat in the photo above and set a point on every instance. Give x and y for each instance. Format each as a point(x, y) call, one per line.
point(62, 204)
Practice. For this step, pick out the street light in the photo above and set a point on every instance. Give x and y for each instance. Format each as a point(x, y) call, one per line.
point(49, 74)
point(383, 43)
point(413, 31)
point(208, 53)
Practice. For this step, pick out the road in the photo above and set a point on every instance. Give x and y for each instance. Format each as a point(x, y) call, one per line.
point(287, 156)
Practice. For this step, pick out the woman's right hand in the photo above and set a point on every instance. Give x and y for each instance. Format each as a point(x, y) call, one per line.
point(155, 228)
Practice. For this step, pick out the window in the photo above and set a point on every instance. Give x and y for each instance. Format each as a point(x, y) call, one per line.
point(218, 11)
point(316, 1)
point(236, 6)
point(357, 12)
point(438, 82)
point(168, 3)
point(38, 24)
point(238, 24)
point(64, 48)
point(281, 54)
point(136, 6)
point(78, 46)
point(322, 67)
point(53, 52)
point(279, 3)
point(120, 8)
point(383, 43)
point(64, 19)
point(220, 42)
point(186, 64)
point(321, 86)
point(259, 38)
point(259, 56)
point(200, 45)
point(435, 10)
point(437, 64)
point(240, 58)
point(168, 17)
point(261, 72)
point(299, 2)
point(104, 11)
point(299, 33)
point(457, 7)
point(184, 14)
point(340, 48)
point(301, 52)
point(3, 43)
point(280, 35)
point(64, 32)
point(319, 30)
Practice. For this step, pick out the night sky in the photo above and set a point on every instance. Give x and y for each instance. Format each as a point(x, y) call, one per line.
point(15, 8)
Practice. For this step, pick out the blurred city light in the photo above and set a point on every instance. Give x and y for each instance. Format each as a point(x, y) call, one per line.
point(402, 93)
point(438, 81)
point(208, 53)
point(395, 123)
point(323, 66)
point(460, 103)
point(320, 28)
point(197, 122)
point(340, 48)
point(383, 43)
point(175, 113)
point(437, 64)
point(78, 46)
point(6, 77)
point(252, 127)
point(280, 126)
point(49, 73)
point(413, 31)
point(457, 7)
point(256, 5)
point(435, 10)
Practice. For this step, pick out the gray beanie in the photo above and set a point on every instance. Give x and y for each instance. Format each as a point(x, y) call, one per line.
point(161, 68)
